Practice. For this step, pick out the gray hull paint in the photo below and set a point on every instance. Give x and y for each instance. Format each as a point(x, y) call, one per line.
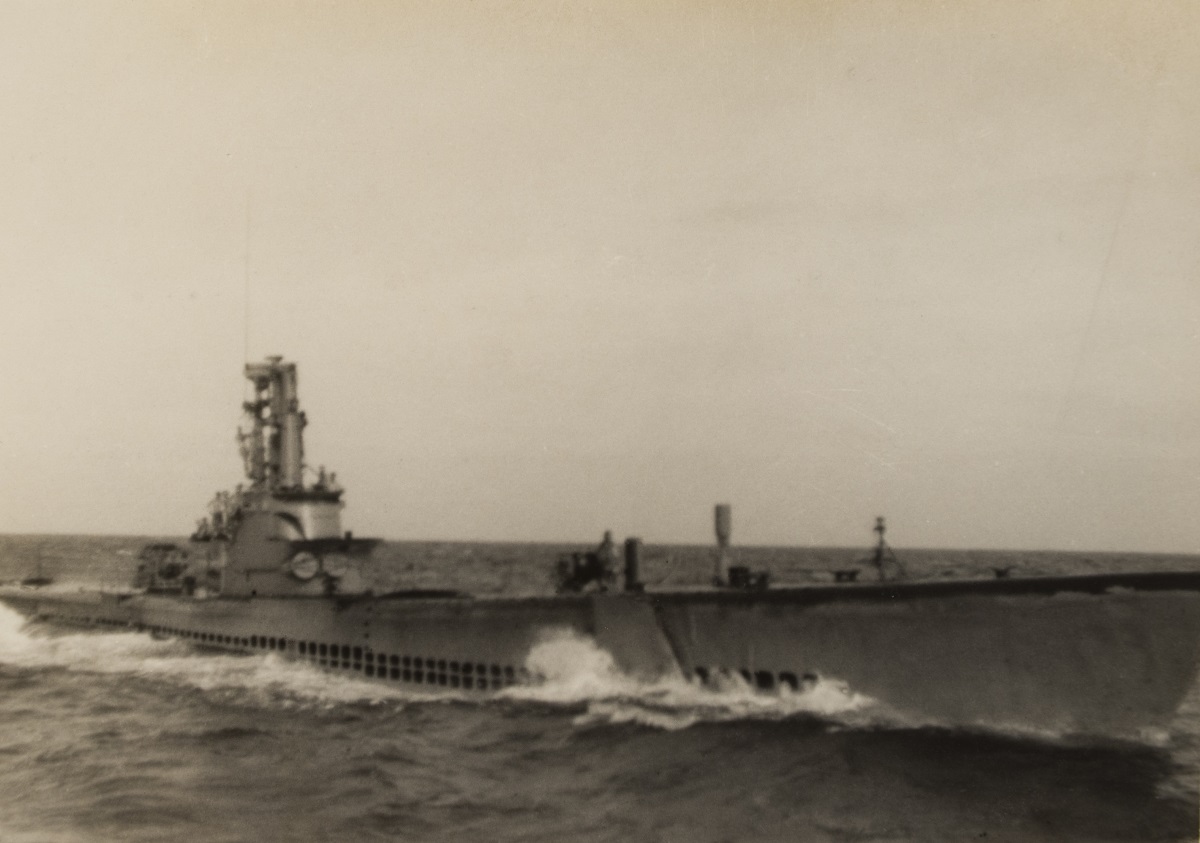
point(1067, 663)
point(1082, 654)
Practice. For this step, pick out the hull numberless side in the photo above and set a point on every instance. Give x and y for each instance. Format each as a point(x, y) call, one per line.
point(1066, 660)
point(1063, 662)
point(269, 569)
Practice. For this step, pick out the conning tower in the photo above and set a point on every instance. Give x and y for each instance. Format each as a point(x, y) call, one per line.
point(273, 452)
point(282, 535)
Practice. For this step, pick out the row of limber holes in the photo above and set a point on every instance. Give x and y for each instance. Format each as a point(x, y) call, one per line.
point(443, 672)
point(764, 680)
point(431, 671)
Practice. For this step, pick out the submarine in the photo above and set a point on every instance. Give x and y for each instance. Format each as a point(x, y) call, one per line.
point(269, 569)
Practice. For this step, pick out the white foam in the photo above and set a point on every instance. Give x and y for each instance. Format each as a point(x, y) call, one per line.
point(257, 679)
point(573, 670)
point(12, 636)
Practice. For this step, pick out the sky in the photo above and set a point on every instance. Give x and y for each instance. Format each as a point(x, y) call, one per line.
point(554, 268)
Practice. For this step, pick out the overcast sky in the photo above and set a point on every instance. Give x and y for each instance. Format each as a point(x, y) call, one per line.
point(550, 268)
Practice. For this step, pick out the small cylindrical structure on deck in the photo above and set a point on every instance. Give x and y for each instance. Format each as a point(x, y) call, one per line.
point(633, 558)
point(723, 524)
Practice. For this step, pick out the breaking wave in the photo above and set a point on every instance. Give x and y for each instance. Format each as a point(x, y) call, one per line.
point(575, 671)
point(266, 680)
point(574, 675)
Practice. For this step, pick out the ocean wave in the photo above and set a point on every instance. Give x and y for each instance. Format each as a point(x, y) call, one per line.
point(573, 674)
point(265, 680)
point(15, 834)
point(572, 669)
point(575, 671)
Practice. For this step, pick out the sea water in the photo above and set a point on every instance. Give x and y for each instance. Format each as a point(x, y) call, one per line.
point(117, 736)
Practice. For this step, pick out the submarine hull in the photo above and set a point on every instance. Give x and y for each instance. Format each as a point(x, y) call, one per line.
point(1093, 655)
point(1066, 662)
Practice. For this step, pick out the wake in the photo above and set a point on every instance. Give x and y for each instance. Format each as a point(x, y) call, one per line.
point(572, 674)
point(264, 680)
point(572, 671)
